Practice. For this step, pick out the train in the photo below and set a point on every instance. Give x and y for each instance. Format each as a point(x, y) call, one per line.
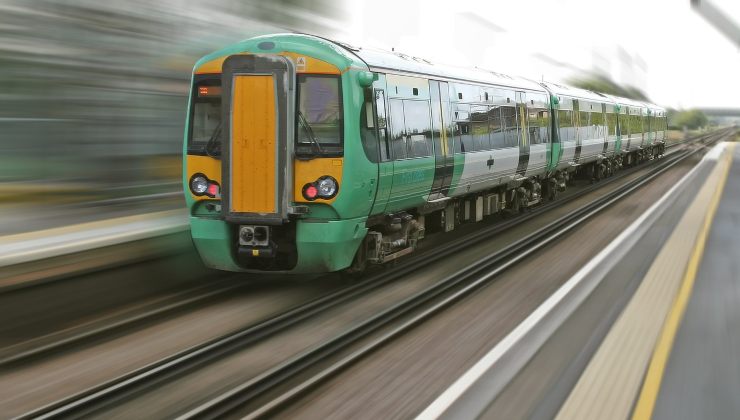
point(308, 155)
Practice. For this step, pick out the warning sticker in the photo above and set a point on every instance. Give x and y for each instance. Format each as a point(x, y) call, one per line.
point(300, 63)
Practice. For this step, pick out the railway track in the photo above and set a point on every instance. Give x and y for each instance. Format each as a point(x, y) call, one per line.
point(60, 340)
point(415, 308)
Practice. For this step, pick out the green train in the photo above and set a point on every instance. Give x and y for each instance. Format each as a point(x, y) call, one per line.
point(306, 155)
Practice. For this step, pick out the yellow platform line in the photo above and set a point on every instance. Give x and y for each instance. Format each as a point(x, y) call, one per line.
point(656, 369)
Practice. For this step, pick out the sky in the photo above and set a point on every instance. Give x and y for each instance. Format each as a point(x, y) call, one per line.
point(660, 46)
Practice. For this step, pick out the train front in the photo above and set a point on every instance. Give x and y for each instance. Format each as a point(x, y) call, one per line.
point(274, 174)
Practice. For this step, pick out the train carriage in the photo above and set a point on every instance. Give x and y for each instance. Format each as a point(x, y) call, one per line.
point(642, 129)
point(586, 130)
point(657, 126)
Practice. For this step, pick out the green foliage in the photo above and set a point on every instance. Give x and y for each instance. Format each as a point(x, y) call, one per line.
point(602, 84)
point(690, 118)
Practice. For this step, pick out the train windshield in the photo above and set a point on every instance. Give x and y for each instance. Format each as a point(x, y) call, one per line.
point(205, 120)
point(319, 115)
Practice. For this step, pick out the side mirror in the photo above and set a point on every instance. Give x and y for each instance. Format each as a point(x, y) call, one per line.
point(365, 78)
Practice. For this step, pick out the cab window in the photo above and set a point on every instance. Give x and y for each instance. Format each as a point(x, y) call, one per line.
point(204, 137)
point(319, 115)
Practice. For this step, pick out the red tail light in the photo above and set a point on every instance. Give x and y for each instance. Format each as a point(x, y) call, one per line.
point(310, 192)
point(213, 190)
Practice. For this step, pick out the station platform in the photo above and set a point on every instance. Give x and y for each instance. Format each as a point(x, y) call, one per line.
point(47, 254)
point(674, 351)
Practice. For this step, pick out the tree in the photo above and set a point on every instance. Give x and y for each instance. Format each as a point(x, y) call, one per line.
point(690, 118)
point(603, 84)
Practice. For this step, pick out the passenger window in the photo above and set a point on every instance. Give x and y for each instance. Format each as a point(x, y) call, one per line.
point(539, 121)
point(397, 135)
point(646, 123)
point(382, 122)
point(522, 121)
point(369, 118)
point(418, 128)
point(461, 116)
point(510, 125)
point(584, 125)
point(479, 127)
point(368, 134)
point(462, 112)
point(543, 118)
point(611, 122)
point(565, 121)
point(624, 124)
point(635, 124)
point(597, 123)
point(498, 138)
point(465, 139)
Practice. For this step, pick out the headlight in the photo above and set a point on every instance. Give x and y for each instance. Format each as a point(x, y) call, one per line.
point(327, 187)
point(198, 184)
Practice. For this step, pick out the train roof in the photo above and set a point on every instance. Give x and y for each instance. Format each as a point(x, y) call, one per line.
point(565, 90)
point(395, 62)
point(653, 106)
point(630, 102)
point(559, 89)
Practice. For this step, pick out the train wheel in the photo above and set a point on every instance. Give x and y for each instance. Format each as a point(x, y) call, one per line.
point(516, 205)
point(359, 263)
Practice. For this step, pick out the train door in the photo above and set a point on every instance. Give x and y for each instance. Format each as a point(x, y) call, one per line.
point(592, 144)
point(566, 130)
point(524, 147)
point(580, 132)
point(555, 146)
point(625, 127)
point(538, 113)
point(635, 142)
point(410, 138)
point(257, 108)
point(442, 140)
point(411, 149)
point(385, 164)
point(603, 129)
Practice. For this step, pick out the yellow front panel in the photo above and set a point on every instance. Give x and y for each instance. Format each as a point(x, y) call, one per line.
point(253, 152)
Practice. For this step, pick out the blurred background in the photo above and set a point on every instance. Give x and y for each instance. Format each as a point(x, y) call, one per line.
point(93, 93)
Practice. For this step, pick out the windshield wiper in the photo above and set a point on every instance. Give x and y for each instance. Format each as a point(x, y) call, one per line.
point(309, 131)
point(213, 147)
